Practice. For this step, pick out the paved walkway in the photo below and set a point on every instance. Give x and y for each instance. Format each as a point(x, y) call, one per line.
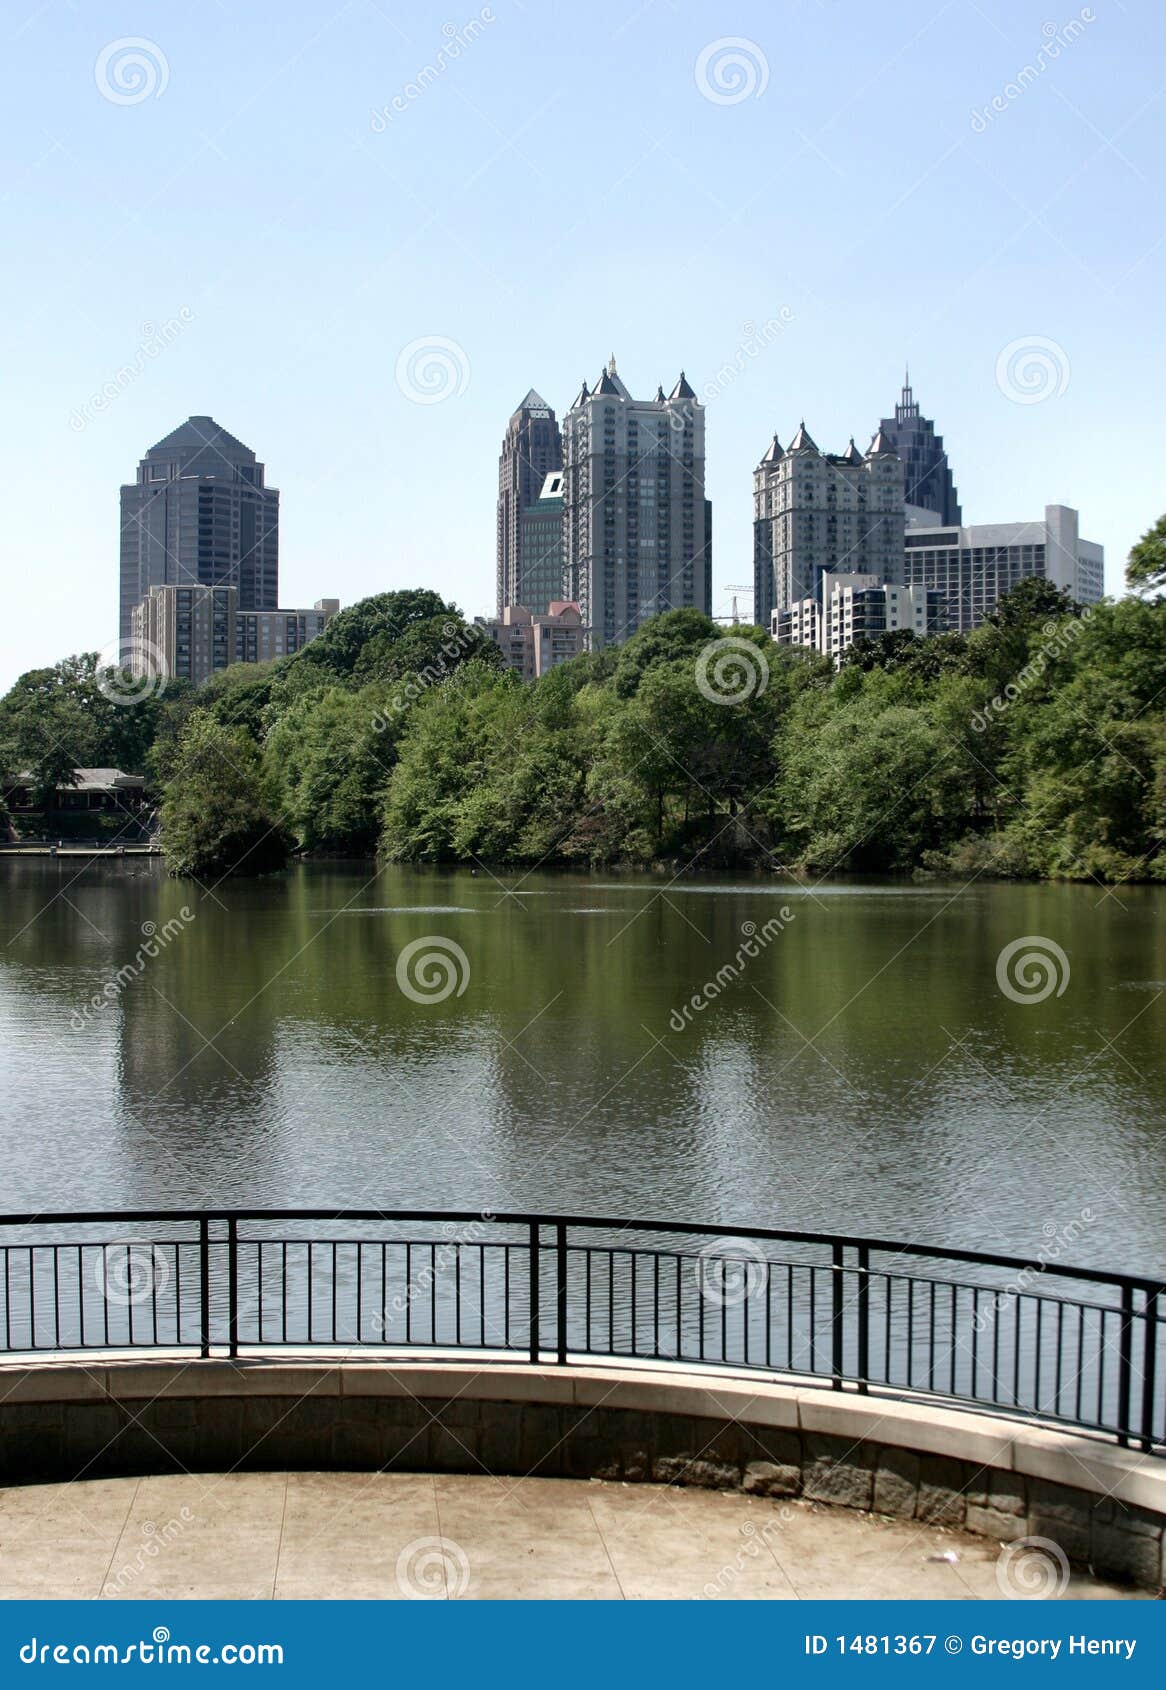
point(395, 1535)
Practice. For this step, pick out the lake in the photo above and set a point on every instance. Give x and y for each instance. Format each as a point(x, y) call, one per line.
point(837, 1058)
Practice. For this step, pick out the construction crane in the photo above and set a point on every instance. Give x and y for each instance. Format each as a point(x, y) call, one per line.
point(736, 587)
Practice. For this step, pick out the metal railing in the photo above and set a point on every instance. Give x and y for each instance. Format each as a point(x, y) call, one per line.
point(1029, 1338)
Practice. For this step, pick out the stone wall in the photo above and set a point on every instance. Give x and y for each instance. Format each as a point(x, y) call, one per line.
point(316, 1420)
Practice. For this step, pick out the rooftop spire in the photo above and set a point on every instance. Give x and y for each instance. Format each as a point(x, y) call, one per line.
point(801, 441)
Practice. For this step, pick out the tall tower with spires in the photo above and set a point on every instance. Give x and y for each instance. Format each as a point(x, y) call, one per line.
point(927, 477)
point(637, 527)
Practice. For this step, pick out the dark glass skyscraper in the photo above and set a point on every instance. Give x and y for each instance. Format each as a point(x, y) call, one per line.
point(927, 477)
point(198, 515)
point(531, 450)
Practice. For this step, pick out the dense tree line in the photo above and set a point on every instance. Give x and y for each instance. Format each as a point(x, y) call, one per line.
point(1035, 746)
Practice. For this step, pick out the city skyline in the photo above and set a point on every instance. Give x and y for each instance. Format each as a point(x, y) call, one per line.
point(368, 366)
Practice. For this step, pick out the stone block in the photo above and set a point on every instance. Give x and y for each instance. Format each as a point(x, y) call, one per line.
point(896, 1483)
point(636, 1465)
point(703, 1474)
point(771, 1443)
point(1117, 1553)
point(989, 1522)
point(835, 1473)
point(1063, 1516)
point(772, 1478)
point(1006, 1492)
point(941, 1491)
point(453, 1450)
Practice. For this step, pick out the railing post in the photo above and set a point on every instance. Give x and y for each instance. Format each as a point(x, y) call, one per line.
point(535, 1345)
point(561, 1290)
point(863, 1319)
point(233, 1283)
point(1149, 1368)
point(204, 1275)
point(1125, 1365)
point(836, 1316)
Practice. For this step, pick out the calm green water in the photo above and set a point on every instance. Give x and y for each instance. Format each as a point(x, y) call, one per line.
point(863, 1073)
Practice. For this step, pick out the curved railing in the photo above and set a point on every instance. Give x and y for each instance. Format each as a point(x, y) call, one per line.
point(1030, 1338)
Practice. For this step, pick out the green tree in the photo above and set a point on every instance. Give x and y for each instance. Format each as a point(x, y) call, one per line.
point(1146, 566)
point(329, 759)
point(218, 818)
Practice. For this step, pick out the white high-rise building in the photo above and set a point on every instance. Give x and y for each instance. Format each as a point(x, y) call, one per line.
point(974, 567)
point(817, 513)
point(637, 527)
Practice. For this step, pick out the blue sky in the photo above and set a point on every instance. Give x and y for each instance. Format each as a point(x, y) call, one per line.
point(253, 241)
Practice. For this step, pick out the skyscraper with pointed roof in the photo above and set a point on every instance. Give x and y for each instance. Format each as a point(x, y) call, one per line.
point(927, 478)
point(822, 512)
point(637, 527)
point(531, 451)
point(198, 514)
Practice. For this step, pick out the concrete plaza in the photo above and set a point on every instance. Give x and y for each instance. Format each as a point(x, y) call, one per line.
point(397, 1536)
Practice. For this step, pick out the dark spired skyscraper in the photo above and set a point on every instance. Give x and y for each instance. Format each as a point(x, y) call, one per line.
point(927, 477)
point(199, 515)
point(531, 450)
